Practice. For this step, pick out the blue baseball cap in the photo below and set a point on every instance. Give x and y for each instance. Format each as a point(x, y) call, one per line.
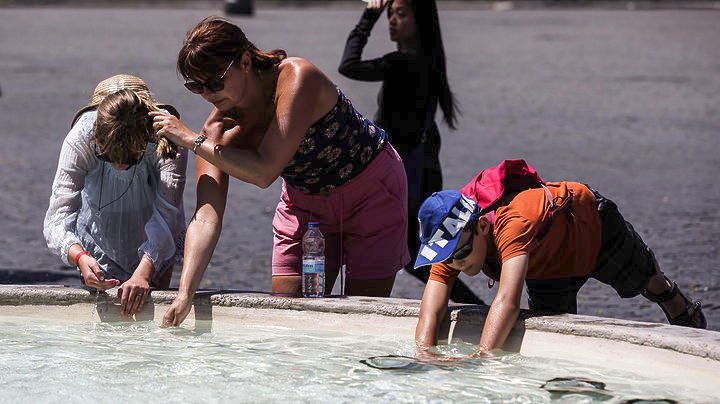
point(442, 218)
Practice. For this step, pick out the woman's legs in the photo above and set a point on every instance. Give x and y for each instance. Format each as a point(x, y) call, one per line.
point(370, 287)
point(424, 176)
point(291, 285)
point(164, 281)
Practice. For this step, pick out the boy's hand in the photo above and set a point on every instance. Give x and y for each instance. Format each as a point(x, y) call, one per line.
point(480, 353)
point(426, 356)
point(92, 275)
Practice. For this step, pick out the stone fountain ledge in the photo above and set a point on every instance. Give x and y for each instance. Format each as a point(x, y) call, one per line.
point(691, 341)
point(699, 343)
point(17, 295)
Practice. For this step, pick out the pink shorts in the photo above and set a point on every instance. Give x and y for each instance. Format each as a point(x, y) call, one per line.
point(364, 222)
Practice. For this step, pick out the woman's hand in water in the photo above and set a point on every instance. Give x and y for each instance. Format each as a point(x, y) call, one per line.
point(172, 128)
point(179, 309)
point(377, 5)
point(92, 276)
point(132, 294)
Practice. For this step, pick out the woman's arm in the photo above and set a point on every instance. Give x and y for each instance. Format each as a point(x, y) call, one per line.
point(351, 64)
point(201, 238)
point(505, 308)
point(432, 310)
point(304, 94)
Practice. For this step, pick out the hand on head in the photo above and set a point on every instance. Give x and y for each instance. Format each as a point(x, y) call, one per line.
point(172, 128)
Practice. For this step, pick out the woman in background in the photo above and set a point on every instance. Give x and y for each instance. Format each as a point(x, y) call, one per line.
point(414, 84)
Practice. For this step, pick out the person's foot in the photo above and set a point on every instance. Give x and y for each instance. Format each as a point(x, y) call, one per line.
point(678, 309)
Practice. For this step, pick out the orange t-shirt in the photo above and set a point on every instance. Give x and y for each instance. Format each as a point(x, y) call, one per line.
point(569, 249)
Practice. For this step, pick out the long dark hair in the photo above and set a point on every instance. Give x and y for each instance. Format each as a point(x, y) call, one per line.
point(431, 43)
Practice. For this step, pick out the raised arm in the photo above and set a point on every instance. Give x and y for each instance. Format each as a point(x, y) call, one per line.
point(351, 64)
point(505, 308)
point(201, 238)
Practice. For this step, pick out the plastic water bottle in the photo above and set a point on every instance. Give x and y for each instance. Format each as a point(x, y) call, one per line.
point(313, 268)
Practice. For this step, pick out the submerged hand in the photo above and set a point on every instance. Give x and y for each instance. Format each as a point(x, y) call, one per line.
point(427, 356)
point(480, 353)
point(93, 276)
point(132, 295)
point(178, 310)
point(172, 128)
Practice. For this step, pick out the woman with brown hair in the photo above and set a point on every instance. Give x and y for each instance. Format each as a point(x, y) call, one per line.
point(116, 209)
point(276, 116)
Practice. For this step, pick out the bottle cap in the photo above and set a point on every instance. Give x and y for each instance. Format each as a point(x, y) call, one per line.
point(314, 224)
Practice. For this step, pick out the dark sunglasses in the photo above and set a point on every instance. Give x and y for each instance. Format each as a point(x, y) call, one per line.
point(213, 85)
point(466, 249)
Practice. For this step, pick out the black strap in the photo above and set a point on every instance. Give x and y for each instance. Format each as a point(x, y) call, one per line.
point(565, 207)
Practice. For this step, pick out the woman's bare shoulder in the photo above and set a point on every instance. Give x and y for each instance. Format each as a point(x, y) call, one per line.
point(300, 75)
point(299, 71)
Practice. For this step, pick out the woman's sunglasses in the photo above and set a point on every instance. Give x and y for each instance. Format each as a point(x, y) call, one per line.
point(212, 85)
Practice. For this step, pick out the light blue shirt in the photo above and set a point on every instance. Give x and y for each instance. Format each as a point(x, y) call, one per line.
point(116, 215)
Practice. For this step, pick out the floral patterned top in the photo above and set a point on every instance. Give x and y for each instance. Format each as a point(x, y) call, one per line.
point(336, 148)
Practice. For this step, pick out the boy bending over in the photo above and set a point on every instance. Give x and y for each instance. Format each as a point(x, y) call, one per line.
point(550, 236)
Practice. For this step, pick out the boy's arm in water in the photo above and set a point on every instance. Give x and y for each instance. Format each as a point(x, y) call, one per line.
point(505, 307)
point(432, 310)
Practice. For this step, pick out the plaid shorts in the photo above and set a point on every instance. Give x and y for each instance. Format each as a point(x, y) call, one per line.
point(624, 262)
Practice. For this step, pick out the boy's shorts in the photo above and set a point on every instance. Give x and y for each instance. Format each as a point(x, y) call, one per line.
point(364, 222)
point(624, 262)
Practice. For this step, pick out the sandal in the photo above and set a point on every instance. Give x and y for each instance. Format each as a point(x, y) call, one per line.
point(691, 317)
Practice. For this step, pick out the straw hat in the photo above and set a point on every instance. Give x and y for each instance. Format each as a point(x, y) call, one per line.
point(119, 82)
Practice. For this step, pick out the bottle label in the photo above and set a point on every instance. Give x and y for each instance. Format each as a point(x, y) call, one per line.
point(313, 266)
